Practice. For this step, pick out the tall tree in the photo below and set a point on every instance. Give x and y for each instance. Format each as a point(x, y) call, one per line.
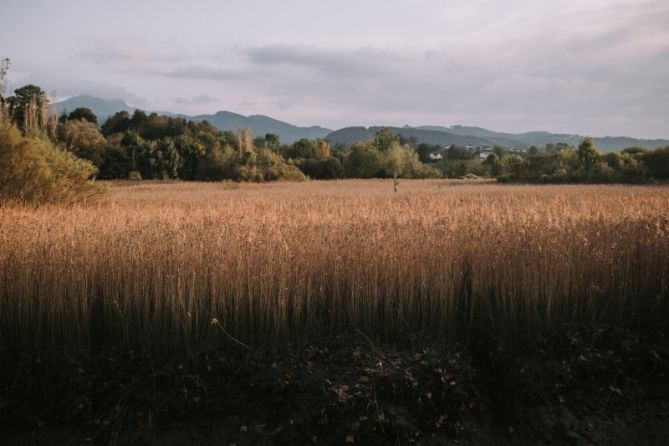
point(384, 140)
point(272, 141)
point(4, 67)
point(83, 113)
point(244, 141)
point(26, 102)
point(657, 162)
point(118, 123)
point(322, 150)
point(588, 153)
point(83, 139)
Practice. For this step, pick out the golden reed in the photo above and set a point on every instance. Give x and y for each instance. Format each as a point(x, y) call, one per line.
point(275, 265)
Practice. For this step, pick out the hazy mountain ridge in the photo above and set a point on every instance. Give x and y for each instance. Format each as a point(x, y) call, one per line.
point(350, 135)
point(103, 108)
point(477, 136)
point(223, 120)
point(260, 125)
point(430, 134)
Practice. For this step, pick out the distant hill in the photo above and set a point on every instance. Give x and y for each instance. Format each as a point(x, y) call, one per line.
point(223, 120)
point(613, 143)
point(260, 125)
point(607, 143)
point(350, 135)
point(103, 108)
point(477, 136)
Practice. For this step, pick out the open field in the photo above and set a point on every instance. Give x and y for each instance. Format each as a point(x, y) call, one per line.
point(172, 272)
point(285, 263)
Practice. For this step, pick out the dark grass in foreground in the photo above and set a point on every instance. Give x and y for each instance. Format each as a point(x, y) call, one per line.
point(596, 386)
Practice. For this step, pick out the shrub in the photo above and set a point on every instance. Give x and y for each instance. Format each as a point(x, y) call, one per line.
point(657, 163)
point(363, 162)
point(33, 170)
point(256, 166)
point(135, 175)
point(84, 140)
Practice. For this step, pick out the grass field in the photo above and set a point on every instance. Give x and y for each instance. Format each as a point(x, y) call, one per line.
point(280, 264)
point(170, 271)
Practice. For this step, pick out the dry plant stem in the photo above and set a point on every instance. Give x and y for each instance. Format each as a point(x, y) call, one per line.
point(232, 338)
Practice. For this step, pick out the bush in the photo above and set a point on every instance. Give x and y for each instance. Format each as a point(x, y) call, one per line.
point(657, 163)
point(135, 175)
point(33, 170)
point(83, 139)
point(256, 166)
point(325, 169)
point(460, 168)
point(363, 162)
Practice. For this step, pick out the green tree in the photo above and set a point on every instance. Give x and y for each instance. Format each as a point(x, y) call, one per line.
point(115, 163)
point(500, 151)
point(83, 139)
point(394, 161)
point(495, 164)
point(331, 169)
point(83, 113)
point(118, 123)
point(363, 162)
point(138, 120)
point(218, 164)
point(322, 150)
point(192, 151)
point(27, 101)
point(588, 153)
point(455, 152)
point(657, 163)
point(272, 141)
point(303, 148)
point(636, 151)
point(384, 140)
point(515, 167)
point(170, 160)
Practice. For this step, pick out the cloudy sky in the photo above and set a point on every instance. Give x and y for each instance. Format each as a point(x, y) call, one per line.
point(596, 67)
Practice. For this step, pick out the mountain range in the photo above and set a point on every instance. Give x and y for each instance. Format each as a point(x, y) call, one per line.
point(430, 134)
point(103, 108)
point(222, 120)
point(261, 125)
point(477, 136)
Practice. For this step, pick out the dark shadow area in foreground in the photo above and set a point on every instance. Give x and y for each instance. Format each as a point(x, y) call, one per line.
point(597, 386)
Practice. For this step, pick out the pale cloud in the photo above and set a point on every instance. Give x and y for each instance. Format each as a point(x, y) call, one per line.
point(200, 99)
point(360, 62)
point(70, 85)
point(200, 71)
point(592, 67)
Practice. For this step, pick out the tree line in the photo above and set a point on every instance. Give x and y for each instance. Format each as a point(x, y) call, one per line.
point(151, 146)
point(158, 147)
point(555, 163)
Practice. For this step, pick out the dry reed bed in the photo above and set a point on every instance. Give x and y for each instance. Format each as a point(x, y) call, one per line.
point(150, 265)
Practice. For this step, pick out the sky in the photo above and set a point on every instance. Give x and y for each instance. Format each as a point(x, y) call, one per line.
point(589, 67)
